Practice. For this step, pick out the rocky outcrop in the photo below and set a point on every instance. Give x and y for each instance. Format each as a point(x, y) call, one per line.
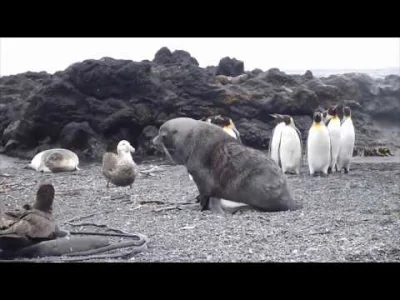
point(93, 104)
point(230, 67)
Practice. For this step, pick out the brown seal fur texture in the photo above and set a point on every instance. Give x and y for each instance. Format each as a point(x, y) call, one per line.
point(120, 169)
point(224, 168)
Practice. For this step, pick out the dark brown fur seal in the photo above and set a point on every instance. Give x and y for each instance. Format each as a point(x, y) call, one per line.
point(120, 169)
point(222, 167)
point(31, 224)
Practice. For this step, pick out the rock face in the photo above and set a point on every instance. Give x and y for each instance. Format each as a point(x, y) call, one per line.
point(93, 104)
point(230, 67)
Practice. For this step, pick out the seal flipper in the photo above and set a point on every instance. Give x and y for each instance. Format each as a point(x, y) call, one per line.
point(204, 202)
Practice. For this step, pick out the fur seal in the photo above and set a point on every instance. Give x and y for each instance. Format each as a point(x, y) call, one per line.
point(120, 169)
point(226, 124)
point(31, 224)
point(54, 160)
point(222, 167)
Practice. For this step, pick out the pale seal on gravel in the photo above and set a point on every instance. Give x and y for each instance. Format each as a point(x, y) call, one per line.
point(54, 160)
point(120, 169)
point(223, 168)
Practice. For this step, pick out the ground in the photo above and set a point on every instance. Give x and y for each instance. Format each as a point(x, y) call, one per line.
point(345, 217)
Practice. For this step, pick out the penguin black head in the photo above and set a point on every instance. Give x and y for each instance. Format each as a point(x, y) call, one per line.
point(346, 111)
point(219, 120)
point(287, 119)
point(332, 110)
point(317, 117)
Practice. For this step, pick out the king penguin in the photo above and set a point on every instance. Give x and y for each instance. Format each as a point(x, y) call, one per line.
point(289, 145)
point(226, 124)
point(318, 146)
point(333, 123)
point(347, 140)
point(275, 139)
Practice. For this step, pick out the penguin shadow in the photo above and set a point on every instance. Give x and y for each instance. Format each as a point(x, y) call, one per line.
point(320, 174)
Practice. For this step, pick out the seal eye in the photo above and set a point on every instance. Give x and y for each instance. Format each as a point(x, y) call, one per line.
point(175, 131)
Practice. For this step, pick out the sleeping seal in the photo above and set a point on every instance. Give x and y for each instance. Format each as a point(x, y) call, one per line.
point(54, 160)
point(222, 167)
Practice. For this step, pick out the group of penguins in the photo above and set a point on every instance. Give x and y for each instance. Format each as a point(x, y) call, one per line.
point(330, 141)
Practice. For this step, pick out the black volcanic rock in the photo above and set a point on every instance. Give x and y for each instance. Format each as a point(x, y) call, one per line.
point(93, 104)
point(308, 75)
point(146, 147)
point(230, 67)
point(165, 57)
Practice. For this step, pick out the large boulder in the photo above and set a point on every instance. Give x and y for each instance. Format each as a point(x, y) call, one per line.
point(230, 67)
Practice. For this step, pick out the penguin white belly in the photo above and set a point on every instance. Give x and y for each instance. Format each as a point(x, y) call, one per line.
point(334, 133)
point(347, 140)
point(230, 132)
point(318, 149)
point(276, 138)
point(290, 150)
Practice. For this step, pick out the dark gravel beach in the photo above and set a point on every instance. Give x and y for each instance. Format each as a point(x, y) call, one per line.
point(345, 217)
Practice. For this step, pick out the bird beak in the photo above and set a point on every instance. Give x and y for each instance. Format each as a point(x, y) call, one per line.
point(156, 140)
point(132, 149)
point(277, 116)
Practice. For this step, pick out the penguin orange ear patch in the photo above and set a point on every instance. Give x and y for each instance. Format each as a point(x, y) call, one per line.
point(317, 126)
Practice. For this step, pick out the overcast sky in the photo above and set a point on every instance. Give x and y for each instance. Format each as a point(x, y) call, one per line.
point(19, 55)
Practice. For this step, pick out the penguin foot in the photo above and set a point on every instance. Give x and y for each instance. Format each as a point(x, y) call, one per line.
point(291, 172)
point(329, 170)
point(346, 171)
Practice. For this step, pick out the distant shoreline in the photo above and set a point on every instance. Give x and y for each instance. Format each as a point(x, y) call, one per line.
point(377, 73)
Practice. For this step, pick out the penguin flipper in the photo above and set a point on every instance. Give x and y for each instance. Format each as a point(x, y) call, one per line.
point(270, 142)
point(279, 150)
point(237, 134)
point(301, 146)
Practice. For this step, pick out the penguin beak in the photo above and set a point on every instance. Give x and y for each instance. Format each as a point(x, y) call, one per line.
point(278, 117)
